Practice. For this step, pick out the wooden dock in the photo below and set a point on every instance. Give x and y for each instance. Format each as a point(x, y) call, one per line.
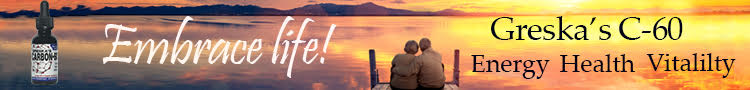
point(377, 85)
point(387, 86)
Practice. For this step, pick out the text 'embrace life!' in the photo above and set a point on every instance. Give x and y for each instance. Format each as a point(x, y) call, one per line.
point(310, 52)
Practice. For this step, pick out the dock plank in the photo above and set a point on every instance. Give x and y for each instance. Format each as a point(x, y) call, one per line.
point(387, 86)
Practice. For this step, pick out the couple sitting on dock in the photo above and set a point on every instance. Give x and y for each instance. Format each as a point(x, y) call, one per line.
point(423, 72)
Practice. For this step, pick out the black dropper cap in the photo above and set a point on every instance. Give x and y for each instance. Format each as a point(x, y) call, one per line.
point(44, 21)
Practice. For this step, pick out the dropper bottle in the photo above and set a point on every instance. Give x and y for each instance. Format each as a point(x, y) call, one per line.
point(44, 62)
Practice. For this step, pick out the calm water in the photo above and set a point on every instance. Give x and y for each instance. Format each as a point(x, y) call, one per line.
point(83, 45)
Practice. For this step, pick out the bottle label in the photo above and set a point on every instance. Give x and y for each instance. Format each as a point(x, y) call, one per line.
point(44, 62)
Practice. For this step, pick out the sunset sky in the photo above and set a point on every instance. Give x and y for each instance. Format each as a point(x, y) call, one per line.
point(347, 59)
point(481, 6)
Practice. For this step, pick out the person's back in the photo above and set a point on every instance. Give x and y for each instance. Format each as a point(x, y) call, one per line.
point(405, 80)
point(430, 75)
point(403, 72)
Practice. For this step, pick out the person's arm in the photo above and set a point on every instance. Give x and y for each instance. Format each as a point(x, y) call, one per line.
point(443, 65)
point(393, 65)
point(410, 69)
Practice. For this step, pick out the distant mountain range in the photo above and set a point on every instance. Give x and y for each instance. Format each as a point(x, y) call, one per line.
point(323, 9)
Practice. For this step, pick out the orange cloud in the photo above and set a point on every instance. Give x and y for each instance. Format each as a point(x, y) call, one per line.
point(483, 6)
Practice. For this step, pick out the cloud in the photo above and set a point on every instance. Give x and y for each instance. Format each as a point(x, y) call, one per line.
point(398, 1)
